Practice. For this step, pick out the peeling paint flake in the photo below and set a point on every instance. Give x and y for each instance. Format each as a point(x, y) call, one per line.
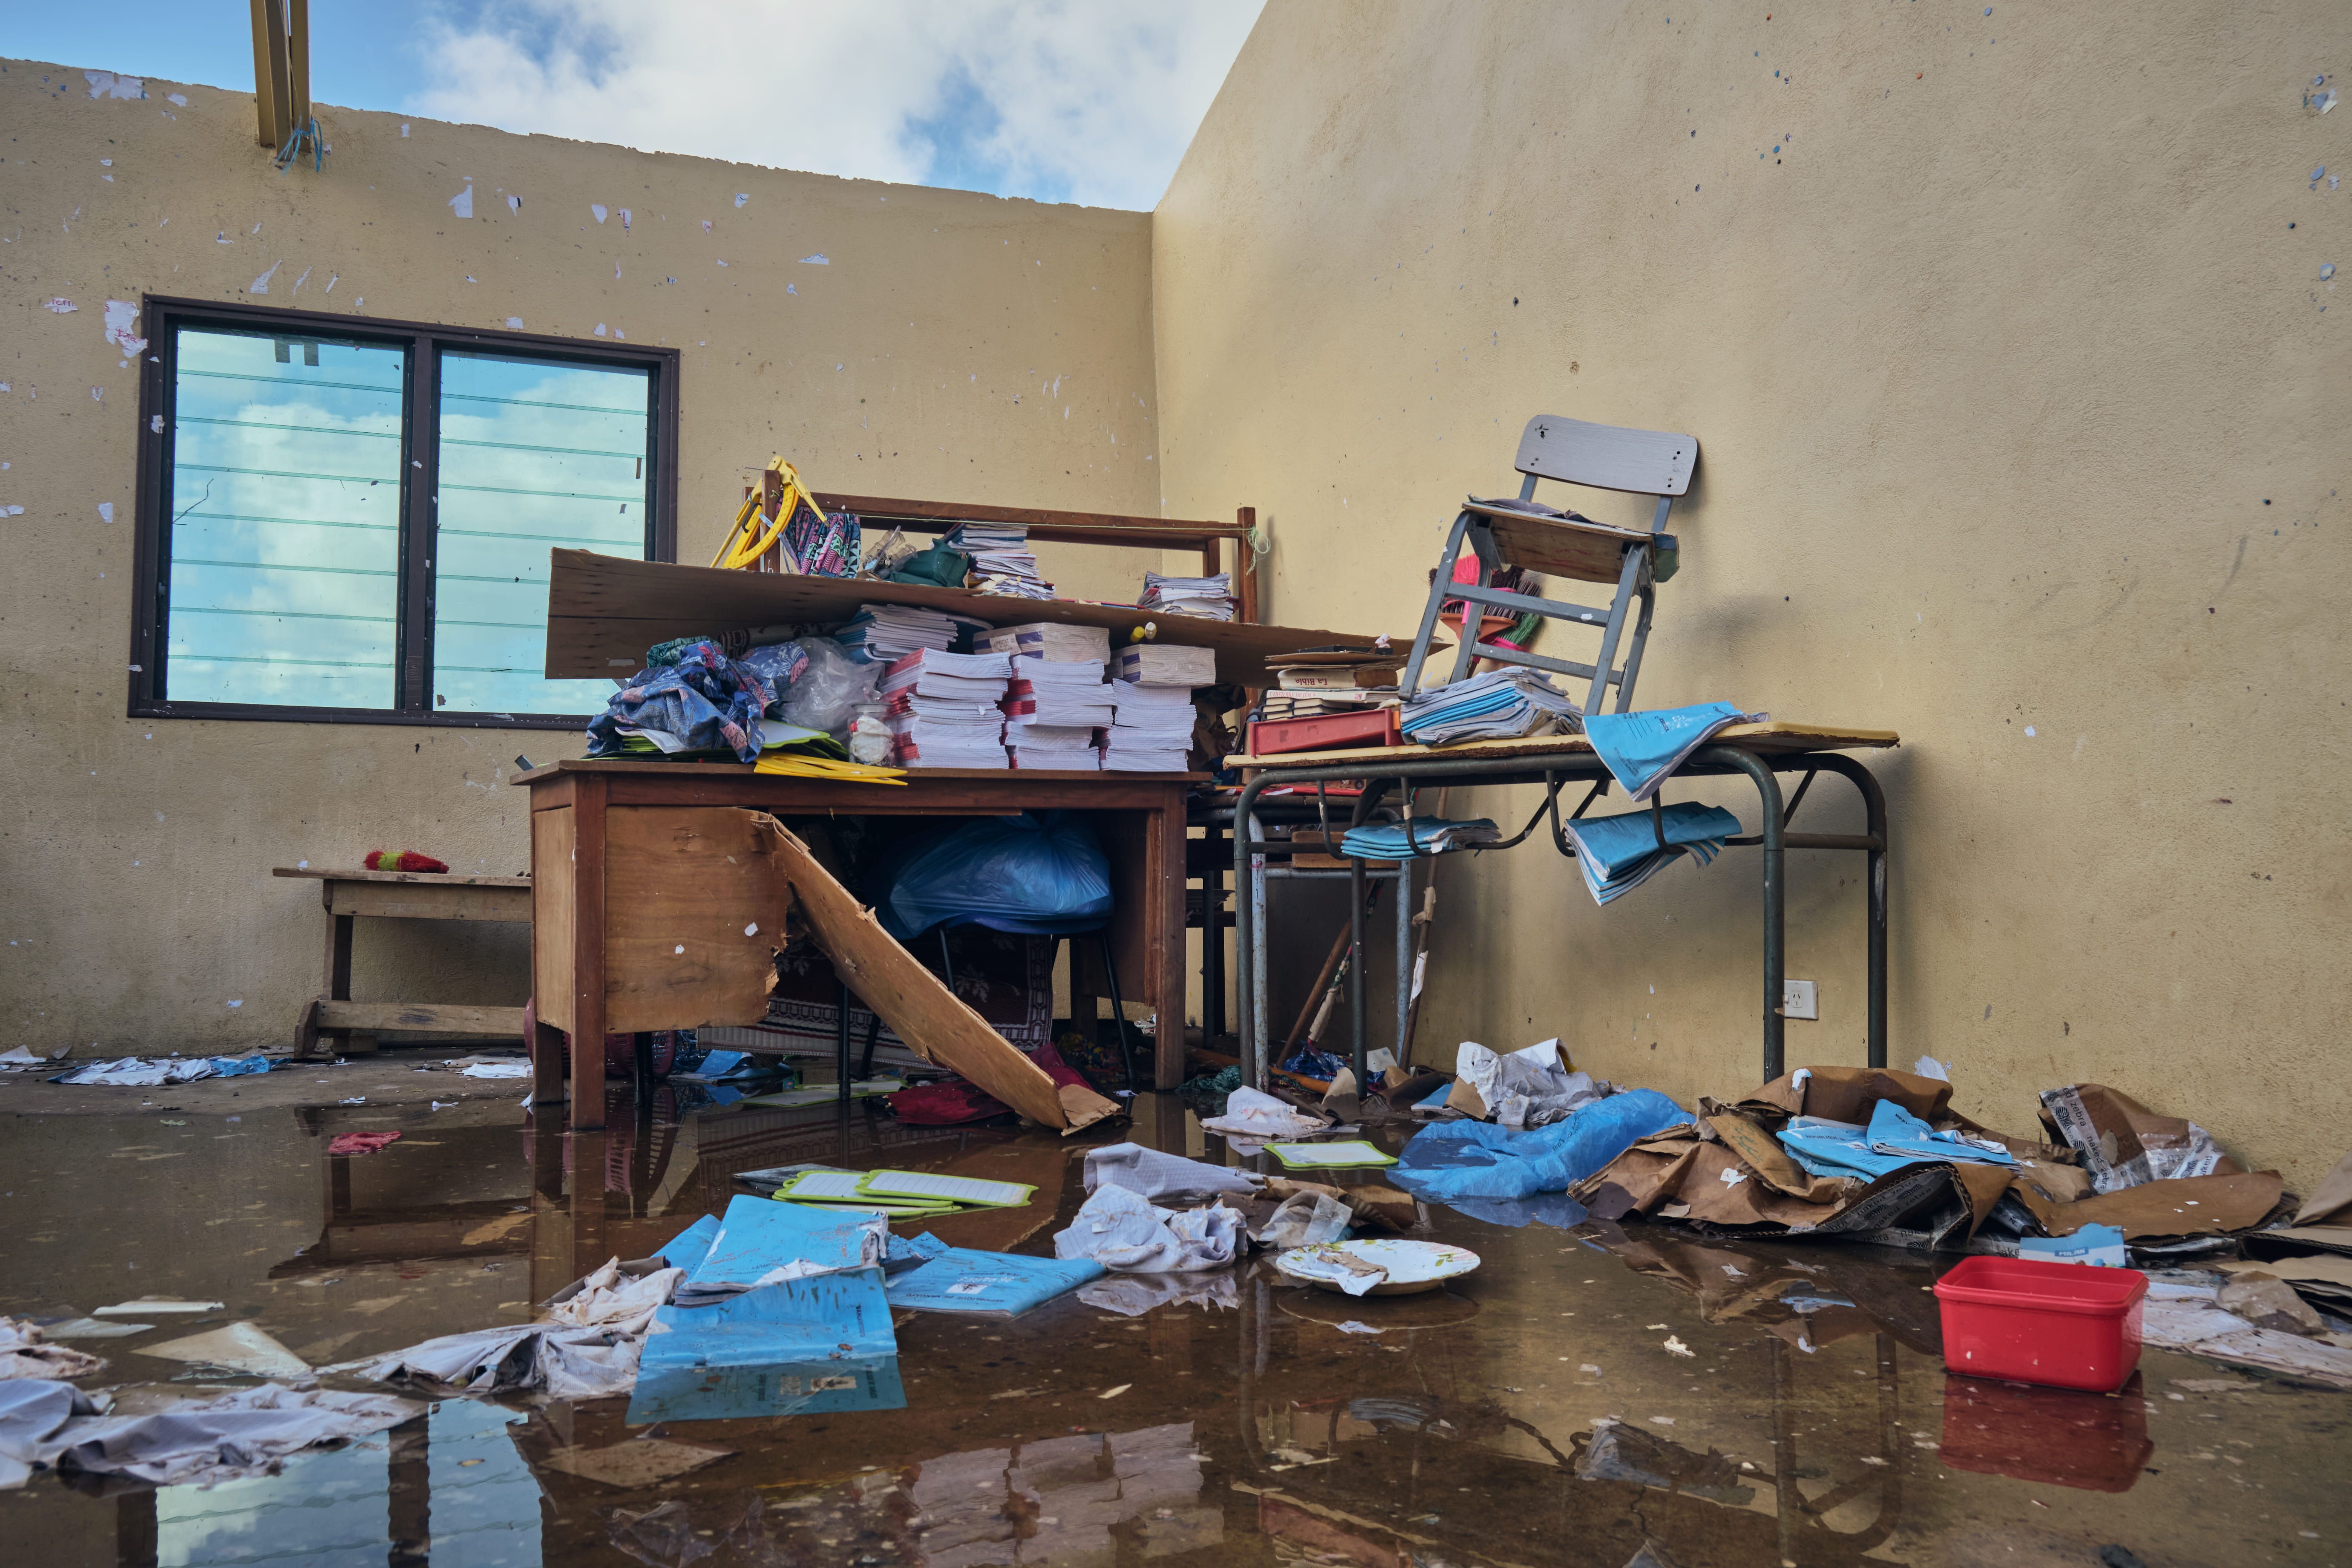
point(741, 196)
point(58, 305)
point(462, 204)
point(121, 316)
point(598, 209)
point(514, 323)
point(819, 259)
point(261, 284)
point(106, 84)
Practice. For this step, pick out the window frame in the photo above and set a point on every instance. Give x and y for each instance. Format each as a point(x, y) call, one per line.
point(163, 315)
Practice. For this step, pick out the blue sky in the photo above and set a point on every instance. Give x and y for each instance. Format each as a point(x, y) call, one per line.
point(1087, 100)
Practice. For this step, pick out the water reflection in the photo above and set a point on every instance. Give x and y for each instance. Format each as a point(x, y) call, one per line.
point(1589, 1393)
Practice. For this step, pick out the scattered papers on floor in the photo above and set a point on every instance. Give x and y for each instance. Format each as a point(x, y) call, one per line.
point(1157, 1175)
point(1642, 750)
point(142, 1073)
point(1253, 1113)
point(195, 1442)
point(1123, 1231)
point(1343, 1155)
point(239, 1347)
point(996, 1283)
point(25, 1352)
point(496, 1069)
point(1526, 1087)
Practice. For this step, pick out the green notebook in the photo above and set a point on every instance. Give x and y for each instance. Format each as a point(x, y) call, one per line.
point(975, 1191)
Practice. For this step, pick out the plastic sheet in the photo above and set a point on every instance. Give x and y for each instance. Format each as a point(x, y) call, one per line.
point(1478, 1160)
point(830, 686)
point(1030, 873)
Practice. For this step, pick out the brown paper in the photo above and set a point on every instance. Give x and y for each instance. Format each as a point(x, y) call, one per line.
point(2118, 1137)
point(1762, 1154)
point(1846, 1094)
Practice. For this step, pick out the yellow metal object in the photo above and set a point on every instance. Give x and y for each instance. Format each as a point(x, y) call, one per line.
point(805, 767)
point(766, 513)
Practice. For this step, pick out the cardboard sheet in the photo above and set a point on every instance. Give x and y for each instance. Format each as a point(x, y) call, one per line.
point(2330, 1202)
point(2192, 1205)
point(933, 1021)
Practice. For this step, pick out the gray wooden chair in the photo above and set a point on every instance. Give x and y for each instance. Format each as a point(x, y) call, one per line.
point(1555, 543)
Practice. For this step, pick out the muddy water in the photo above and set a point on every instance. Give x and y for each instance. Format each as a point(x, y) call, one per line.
point(1589, 1392)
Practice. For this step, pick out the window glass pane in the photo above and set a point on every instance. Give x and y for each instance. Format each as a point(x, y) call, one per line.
point(285, 521)
point(535, 454)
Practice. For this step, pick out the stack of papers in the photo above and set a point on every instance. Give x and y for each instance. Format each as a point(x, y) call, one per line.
point(1427, 836)
point(1055, 712)
point(1618, 854)
point(1150, 730)
point(1500, 705)
point(1167, 664)
point(1205, 596)
point(1001, 561)
point(880, 634)
point(1052, 640)
point(941, 709)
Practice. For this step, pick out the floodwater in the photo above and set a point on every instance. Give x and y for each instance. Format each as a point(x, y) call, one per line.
point(1589, 1393)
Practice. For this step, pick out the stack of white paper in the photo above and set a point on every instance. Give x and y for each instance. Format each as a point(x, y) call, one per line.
point(1151, 728)
point(1055, 712)
point(1052, 640)
point(1054, 746)
point(881, 633)
point(1204, 596)
point(941, 709)
point(1001, 561)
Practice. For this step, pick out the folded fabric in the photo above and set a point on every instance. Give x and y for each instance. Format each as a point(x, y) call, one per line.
point(1642, 749)
point(25, 1352)
point(1894, 1131)
point(1425, 835)
point(1479, 1160)
point(1122, 1231)
point(402, 860)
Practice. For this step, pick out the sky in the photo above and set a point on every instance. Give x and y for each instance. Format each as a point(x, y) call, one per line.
point(1061, 101)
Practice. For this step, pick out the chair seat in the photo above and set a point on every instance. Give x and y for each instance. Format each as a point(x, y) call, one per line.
point(1559, 545)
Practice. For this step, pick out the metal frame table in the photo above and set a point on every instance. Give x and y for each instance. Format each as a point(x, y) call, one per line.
point(1758, 753)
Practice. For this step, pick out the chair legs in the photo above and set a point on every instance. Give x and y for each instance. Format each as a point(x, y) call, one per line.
point(1420, 640)
point(1119, 1012)
point(1628, 579)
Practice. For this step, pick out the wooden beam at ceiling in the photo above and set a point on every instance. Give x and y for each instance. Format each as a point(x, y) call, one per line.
point(281, 70)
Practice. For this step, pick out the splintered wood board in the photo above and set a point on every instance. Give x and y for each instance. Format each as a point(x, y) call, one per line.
point(694, 912)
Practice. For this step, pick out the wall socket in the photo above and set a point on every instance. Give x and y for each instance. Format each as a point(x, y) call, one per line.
point(1801, 999)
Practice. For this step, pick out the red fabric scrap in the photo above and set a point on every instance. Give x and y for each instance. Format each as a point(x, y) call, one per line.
point(957, 1101)
point(404, 860)
point(360, 1143)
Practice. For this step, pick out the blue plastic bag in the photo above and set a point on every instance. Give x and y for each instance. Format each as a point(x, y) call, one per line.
point(1031, 874)
point(1474, 1159)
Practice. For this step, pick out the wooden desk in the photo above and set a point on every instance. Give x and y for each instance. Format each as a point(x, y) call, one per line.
point(575, 850)
point(1758, 751)
point(400, 895)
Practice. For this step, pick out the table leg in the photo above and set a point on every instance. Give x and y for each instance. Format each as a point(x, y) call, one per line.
point(1874, 801)
point(1355, 968)
point(1776, 911)
point(1213, 941)
point(588, 955)
point(1403, 955)
point(337, 985)
point(1167, 828)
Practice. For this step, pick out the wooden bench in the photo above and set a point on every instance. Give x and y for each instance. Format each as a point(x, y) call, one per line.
point(409, 896)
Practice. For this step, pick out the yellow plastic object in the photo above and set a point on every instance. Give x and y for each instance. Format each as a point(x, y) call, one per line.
point(765, 513)
point(792, 765)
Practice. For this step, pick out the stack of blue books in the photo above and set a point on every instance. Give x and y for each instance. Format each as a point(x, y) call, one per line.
point(1500, 705)
point(1618, 854)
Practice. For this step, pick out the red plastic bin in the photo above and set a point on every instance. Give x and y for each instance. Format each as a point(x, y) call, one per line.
point(2067, 1325)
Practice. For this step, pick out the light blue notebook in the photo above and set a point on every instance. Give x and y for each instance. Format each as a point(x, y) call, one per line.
point(1642, 749)
point(1002, 1283)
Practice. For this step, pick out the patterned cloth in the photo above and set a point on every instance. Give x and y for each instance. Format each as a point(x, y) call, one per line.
point(704, 701)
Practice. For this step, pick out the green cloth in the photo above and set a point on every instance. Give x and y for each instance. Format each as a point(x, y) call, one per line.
point(1206, 1094)
point(938, 567)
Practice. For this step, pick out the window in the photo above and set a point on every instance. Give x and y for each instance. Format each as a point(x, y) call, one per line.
point(349, 519)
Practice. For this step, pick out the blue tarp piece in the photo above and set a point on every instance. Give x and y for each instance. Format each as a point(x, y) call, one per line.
point(237, 1067)
point(1458, 1160)
point(806, 1347)
point(1642, 749)
point(1044, 873)
point(1894, 1131)
point(1826, 1148)
point(962, 1280)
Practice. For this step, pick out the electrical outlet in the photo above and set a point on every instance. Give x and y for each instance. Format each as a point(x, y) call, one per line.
point(1801, 999)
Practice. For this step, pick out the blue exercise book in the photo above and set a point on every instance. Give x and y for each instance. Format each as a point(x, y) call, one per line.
point(1894, 1131)
point(803, 1348)
point(1618, 854)
point(1642, 749)
point(1826, 1148)
point(761, 1242)
point(692, 1245)
point(1005, 1284)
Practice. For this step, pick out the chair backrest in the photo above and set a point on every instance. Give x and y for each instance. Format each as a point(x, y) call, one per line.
point(1606, 456)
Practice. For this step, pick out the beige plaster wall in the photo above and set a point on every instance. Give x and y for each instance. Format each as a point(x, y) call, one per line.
point(2022, 408)
point(954, 346)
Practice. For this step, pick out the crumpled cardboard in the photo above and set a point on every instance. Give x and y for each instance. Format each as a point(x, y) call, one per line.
point(2191, 1206)
point(1521, 1089)
point(2124, 1144)
point(2330, 1202)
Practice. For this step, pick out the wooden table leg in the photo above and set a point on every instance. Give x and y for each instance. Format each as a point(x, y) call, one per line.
point(588, 957)
point(1166, 881)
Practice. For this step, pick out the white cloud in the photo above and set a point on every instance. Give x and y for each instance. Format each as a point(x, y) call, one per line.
point(1086, 101)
